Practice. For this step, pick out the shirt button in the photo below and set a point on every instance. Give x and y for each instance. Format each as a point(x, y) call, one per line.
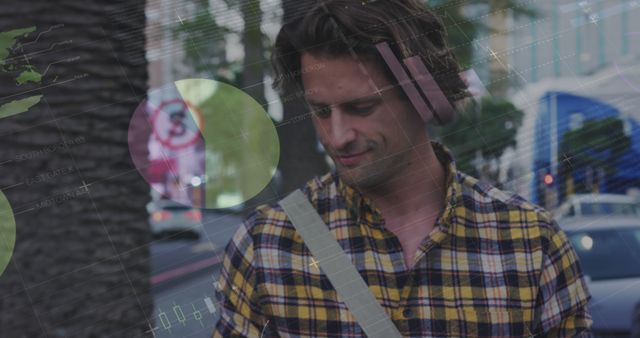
point(407, 313)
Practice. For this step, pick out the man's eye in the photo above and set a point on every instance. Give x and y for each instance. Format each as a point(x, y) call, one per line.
point(362, 109)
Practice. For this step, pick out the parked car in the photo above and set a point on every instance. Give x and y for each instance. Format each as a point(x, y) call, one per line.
point(609, 252)
point(598, 204)
point(172, 220)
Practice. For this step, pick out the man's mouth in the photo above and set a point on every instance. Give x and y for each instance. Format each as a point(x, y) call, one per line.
point(351, 159)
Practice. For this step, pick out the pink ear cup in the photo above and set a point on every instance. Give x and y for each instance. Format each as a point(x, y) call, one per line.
point(443, 112)
point(405, 82)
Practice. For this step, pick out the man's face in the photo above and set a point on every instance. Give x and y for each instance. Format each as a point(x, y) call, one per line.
point(364, 123)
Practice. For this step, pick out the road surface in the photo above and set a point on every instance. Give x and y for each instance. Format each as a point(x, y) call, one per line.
point(184, 273)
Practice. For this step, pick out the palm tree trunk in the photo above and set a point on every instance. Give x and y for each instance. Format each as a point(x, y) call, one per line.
point(299, 158)
point(81, 262)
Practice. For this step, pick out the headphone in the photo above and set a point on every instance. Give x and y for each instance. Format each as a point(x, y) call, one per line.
point(427, 92)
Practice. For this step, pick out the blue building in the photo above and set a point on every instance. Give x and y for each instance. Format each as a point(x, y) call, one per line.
point(570, 112)
point(553, 107)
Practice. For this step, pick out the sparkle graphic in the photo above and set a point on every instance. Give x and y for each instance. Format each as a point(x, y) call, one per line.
point(314, 263)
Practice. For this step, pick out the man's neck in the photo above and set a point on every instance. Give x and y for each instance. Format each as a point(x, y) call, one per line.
point(416, 192)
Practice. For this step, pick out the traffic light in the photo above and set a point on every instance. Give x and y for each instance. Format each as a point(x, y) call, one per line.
point(545, 188)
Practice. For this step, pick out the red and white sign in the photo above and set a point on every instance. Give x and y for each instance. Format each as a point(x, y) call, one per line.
point(174, 126)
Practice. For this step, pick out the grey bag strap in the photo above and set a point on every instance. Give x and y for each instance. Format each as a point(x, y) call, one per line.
point(335, 264)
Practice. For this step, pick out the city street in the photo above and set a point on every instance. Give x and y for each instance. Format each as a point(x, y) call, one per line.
point(183, 279)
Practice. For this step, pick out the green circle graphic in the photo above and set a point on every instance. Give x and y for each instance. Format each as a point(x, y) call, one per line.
point(7, 232)
point(242, 148)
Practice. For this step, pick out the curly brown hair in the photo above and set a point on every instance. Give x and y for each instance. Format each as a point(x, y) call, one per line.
point(338, 28)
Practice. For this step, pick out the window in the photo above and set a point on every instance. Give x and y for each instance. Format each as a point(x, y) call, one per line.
point(576, 120)
point(602, 208)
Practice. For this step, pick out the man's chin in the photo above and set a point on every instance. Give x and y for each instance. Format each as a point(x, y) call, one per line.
point(357, 177)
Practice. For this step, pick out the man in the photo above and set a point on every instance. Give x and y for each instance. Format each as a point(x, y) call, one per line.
point(443, 254)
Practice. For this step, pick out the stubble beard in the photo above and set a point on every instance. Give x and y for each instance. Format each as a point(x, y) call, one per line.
point(374, 173)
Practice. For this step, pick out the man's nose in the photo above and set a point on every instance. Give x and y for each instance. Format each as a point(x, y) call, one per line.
point(343, 131)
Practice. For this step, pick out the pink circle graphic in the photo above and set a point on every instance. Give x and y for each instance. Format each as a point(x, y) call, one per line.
point(203, 143)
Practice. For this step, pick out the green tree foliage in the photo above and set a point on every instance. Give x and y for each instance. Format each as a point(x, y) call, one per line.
point(599, 143)
point(484, 131)
point(462, 29)
point(203, 42)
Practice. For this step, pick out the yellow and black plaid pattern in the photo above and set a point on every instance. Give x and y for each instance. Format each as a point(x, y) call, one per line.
point(494, 266)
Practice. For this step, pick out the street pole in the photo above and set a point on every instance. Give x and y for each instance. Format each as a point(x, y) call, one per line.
point(554, 148)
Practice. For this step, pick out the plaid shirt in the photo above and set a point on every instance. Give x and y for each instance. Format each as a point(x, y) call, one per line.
point(495, 265)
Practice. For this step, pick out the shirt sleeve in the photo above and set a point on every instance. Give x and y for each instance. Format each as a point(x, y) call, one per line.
point(240, 314)
point(562, 301)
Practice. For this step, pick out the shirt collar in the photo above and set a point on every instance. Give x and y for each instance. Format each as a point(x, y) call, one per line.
point(362, 209)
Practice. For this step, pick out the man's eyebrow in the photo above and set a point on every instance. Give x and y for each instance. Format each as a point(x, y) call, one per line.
point(362, 100)
point(314, 103)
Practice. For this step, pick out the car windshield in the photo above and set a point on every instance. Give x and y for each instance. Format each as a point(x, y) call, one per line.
point(176, 207)
point(609, 208)
point(609, 253)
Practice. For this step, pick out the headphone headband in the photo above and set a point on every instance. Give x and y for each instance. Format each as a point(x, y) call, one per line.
point(428, 93)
